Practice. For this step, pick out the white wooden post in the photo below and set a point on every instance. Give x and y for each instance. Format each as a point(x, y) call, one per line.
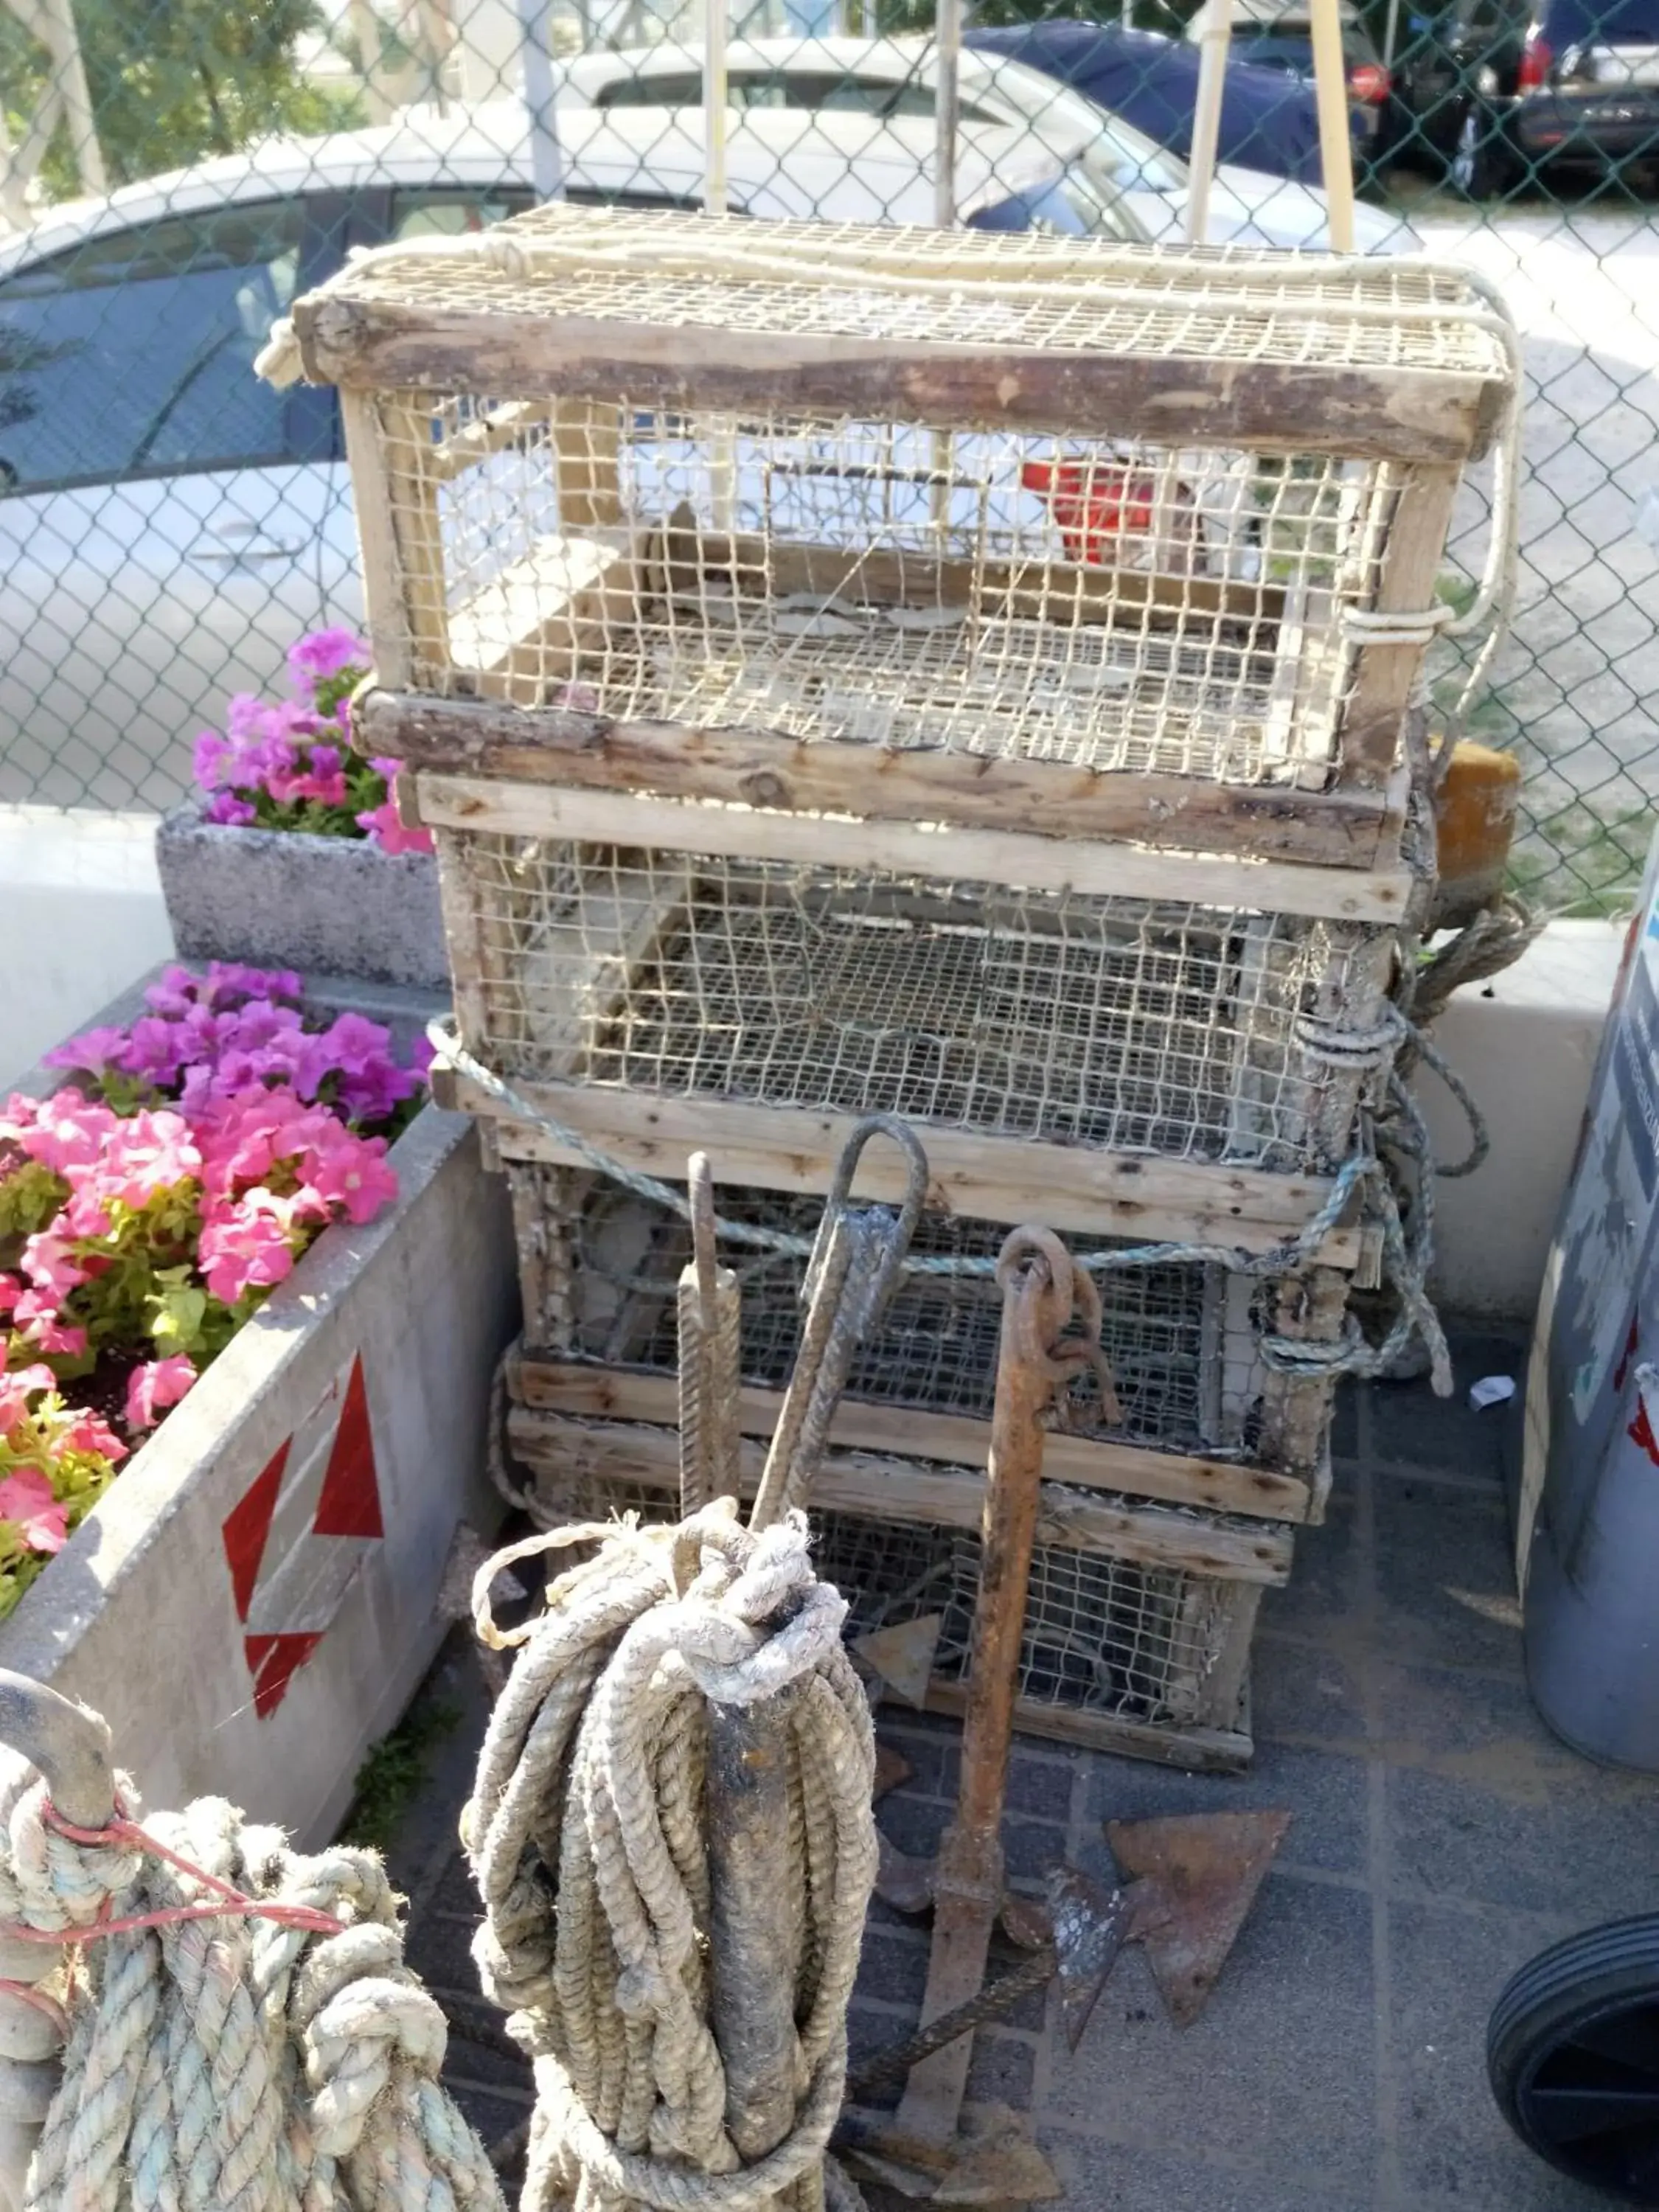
point(947, 107)
point(1215, 37)
point(1336, 132)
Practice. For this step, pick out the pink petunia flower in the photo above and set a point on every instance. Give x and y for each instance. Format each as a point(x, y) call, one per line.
point(226, 811)
point(313, 660)
point(154, 1384)
point(94, 1049)
point(87, 1433)
point(27, 1502)
point(382, 824)
point(17, 1388)
point(56, 1336)
point(53, 1269)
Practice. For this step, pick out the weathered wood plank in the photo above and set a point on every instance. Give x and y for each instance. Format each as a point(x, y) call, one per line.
point(1194, 1748)
point(953, 853)
point(1354, 410)
point(885, 1489)
point(377, 540)
point(1384, 673)
point(763, 768)
point(1009, 1179)
point(581, 1387)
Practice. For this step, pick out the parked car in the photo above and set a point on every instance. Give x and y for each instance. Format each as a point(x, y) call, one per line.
point(1444, 49)
point(895, 77)
point(169, 524)
point(1269, 120)
point(1279, 34)
point(1576, 88)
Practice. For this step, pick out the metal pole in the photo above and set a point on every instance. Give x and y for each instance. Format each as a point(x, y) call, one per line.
point(535, 38)
point(1336, 132)
point(1035, 1277)
point(755, 1932)
point(947, 107)
point(715, 34)
point(1391, 33)
point(1214, 39)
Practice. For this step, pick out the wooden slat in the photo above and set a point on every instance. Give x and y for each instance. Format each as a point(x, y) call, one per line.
point(1010, 1179)
point(465, 737)
point(1056, 592)
point(377, 540)
point(529, 626)
point(1369, 739)
point(951, 854)
point(886, 1489)
point(1355, 410)
point(1218, 1485)
point(1195, 1749)
point(411, 490)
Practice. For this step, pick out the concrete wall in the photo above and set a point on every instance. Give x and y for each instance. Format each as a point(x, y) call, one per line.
point(83, 916)
point(254, 1601)
point(1525, 1044)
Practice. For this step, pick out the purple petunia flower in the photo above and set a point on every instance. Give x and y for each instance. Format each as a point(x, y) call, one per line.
point(324, 653)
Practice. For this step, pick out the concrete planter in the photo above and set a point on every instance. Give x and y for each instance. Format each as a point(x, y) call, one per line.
point(254, 1600)
point(338, 906)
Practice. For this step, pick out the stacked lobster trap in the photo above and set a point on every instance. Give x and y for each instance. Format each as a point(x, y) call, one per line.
point(951, 675)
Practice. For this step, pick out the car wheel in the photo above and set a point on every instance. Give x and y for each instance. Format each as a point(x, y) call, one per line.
point(1477, 167)
point(1572, 2054)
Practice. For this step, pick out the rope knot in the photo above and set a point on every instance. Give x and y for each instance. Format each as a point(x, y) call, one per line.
point(54, 1879)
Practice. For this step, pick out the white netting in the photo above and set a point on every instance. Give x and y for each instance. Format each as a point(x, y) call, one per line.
point(1066, 1018)
point(1181, 1341)
point(667, 272)
point(1118, 605)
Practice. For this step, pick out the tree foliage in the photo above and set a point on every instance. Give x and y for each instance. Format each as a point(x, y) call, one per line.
point(173, 81)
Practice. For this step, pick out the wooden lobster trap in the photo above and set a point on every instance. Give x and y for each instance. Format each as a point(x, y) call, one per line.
point(1156, 1068)
point(1139, 1620)
point(1088, 541)
point(1203, 1418)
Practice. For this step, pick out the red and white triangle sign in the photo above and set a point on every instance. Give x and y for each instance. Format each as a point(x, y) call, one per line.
point(297, 1539)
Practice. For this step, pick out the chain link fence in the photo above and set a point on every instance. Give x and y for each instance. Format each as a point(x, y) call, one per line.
point(173, 172)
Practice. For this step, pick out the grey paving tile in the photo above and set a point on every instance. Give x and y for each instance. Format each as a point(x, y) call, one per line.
point(1446, 1969)
point(1445, 1577)
point(1485, 1803)
point(1326, 1587)
point(1310, 1693)
point(440, 1949)
point(893, 1967)
point(1324, 1791)
point(1283, 2054)
point(1409, 1425)
point(1110, 2177)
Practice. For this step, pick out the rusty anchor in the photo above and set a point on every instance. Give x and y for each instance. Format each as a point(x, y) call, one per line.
point(1190, 1880)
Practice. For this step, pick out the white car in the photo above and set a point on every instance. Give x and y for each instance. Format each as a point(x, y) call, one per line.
point(890, 78)
point(169, 524)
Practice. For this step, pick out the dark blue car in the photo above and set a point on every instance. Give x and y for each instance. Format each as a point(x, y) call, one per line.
point(1268, 118)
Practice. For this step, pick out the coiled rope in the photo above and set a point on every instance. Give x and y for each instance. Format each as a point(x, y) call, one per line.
point(584, 1835)
point(243, 2033)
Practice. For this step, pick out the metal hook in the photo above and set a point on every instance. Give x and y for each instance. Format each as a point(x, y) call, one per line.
point(704, 1249)
point(836, 1203)
point(67, 1743)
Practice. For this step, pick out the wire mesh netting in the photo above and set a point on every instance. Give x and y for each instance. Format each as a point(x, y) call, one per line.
point(1181, 1341)
point(1067, 1017)
point(1128, 606)
point(168, 525)
point(1104, 1634)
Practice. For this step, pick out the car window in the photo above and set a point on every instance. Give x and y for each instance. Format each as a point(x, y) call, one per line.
point(133, 352)
point(663, 89)
point(834, 89)
point(1066, 206)
point(449, 212)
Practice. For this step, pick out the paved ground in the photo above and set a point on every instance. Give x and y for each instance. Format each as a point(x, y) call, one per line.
point(1441, 1837)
